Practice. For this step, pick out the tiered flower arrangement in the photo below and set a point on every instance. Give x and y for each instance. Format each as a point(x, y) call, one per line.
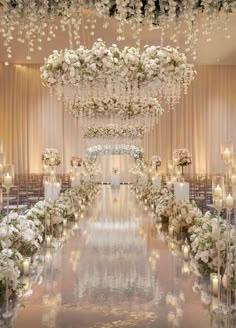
point(155, 71)
point(115, 131)
point(26, 231)
point(183, 157)
point(135, 152)
point(51, 157)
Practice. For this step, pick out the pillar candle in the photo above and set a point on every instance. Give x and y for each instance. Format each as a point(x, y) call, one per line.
point(185, 250)
point(48, 241)
point(233, 179)
point(218, 192)
point(214, 284)
point(26, 266)
point(226, 154)
point(229, 201)
point(7, 181)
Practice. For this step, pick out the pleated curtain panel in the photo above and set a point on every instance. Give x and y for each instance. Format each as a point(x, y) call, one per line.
point(31, 120)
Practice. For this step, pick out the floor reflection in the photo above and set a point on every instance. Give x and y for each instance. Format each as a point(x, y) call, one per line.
point(114, 270)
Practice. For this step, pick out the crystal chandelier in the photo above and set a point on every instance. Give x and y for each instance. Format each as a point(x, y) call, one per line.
point(100, 73)
point(32, 22)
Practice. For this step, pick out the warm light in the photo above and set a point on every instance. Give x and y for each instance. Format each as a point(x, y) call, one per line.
point(218, 192)
point(214, 284)
point(229, 202)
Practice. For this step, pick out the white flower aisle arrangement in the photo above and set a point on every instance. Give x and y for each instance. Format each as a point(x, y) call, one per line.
point(12, 274)
point(183, 215)
point(51, 157)
point(200, 230)
point(26, 231)
point(205, 244)
point(25, 235)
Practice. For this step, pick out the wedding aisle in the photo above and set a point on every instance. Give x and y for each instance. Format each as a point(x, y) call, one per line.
point(114, 270)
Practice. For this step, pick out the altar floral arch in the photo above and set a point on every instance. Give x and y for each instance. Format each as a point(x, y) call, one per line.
point(135, 152)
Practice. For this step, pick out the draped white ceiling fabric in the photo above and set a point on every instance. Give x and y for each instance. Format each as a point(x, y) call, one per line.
point(31, 120)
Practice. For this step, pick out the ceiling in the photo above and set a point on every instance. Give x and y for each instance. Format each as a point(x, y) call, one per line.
point(220, 51)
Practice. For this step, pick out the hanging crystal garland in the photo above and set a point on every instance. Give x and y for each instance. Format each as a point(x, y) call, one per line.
point(135, 112)
point(115, 131)
point(30, 22)
point(114, 134)
point(101, 73)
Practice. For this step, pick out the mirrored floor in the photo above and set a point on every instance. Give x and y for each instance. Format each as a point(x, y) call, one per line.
point(115, 269)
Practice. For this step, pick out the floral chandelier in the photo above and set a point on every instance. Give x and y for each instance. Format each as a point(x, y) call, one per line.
point(101, 72)
point(135, 152)
point(115, 131)
point(36, 20)
point(135, 111)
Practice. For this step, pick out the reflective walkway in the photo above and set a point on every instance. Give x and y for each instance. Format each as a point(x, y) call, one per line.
point(115, 270)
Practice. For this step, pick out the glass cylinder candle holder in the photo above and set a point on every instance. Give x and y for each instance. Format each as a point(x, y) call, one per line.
point(181, 182)
point(174, 179)
point(48, 241)
point(227, 152)
point(214, 281)
point(233, 179)
point(175, 158)
point(185, 251)
point(8, 176)
point(217, 187)
point(228, 200)
point(170, 166)
point(169, 182)
point(2, 162)
point(185, 268)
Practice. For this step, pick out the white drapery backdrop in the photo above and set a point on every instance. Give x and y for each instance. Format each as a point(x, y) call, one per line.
point(31, 120)
point(121, 162)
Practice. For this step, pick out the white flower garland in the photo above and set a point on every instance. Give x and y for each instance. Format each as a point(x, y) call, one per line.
point(93, 152)
point(114, 131)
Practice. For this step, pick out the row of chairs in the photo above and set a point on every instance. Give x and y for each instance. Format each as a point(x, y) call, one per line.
point(29, 189)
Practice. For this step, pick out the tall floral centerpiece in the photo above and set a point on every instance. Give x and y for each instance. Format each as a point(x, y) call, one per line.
point(51, 158)
point(182, 158)
point(76, 161)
